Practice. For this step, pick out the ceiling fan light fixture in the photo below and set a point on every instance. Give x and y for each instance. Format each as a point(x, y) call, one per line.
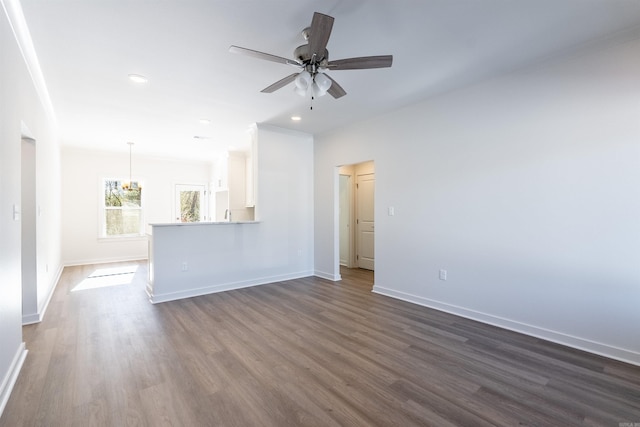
point(317, 90)
point(303, 80)
point(323, 82)
point(300, 91)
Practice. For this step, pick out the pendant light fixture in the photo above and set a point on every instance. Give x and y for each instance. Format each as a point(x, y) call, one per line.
point(128, 186)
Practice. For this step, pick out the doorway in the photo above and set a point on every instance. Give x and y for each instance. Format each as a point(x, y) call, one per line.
point(28, 230)
point(190, 203)
point(356, 215)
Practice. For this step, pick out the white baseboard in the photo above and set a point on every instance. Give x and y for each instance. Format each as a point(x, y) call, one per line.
point(52, 289)
point(601, 349)
point(11, 377)
point(29, 319)
point(328, 276)
point(156, 298)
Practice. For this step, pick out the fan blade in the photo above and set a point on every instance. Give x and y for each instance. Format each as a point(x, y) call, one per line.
point(261, 55)
point(319, 33)
point(335, 90)
point(362, 63)
point(280, 83)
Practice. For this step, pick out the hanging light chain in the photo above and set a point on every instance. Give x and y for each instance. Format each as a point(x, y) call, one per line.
point(130, 185)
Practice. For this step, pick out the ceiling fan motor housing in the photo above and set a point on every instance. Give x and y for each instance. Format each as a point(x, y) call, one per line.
point(303, 55)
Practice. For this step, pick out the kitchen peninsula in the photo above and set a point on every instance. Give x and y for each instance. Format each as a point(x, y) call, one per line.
point(191, 259)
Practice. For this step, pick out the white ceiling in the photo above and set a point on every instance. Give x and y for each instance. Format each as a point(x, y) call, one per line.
point(87, 48)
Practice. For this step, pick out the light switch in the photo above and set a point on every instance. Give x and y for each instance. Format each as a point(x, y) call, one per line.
point(392, 211)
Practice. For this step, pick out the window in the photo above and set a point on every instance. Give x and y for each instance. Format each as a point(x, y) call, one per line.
point(122, 213)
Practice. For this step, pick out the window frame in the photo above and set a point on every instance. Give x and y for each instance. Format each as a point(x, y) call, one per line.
point(102, 210)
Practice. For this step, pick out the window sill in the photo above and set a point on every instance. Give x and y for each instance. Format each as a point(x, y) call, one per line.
point(135, 238)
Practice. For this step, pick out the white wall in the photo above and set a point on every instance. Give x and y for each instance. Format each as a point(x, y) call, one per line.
point(228, 256)
point(20, 102)
point(525, 188)
point(285, 190)
point(82, 172)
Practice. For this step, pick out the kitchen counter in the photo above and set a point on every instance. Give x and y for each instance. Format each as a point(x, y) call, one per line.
point(190, 259)
point(182, 224)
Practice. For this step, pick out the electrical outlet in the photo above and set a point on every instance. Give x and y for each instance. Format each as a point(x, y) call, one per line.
point(443, 274)
point(185, 267)
point(391, 211)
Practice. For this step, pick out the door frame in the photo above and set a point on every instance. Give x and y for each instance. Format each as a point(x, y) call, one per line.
point(347, 169)
point(28, 217)
point(350, 258)
point(192, 186)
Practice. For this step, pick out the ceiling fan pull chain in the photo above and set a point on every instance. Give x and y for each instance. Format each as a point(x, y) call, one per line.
point(311, 103)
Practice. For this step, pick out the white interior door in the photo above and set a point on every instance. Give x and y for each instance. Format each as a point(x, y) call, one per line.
point(190, 203)
point(365, 186)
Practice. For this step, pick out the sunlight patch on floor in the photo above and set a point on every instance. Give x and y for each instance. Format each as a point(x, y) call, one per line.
point(114, 270)
point(107, 277)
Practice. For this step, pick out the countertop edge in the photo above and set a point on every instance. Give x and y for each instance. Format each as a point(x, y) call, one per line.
point(184, 224)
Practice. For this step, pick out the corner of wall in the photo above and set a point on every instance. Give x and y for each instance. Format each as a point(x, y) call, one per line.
point(328, 276)
point(42, 308)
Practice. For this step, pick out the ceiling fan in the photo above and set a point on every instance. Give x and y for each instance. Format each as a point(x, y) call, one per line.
point(313, 60)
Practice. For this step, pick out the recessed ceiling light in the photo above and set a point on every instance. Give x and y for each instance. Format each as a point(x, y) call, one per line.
point(137, 78)
point(296, 118)
point(205, 121)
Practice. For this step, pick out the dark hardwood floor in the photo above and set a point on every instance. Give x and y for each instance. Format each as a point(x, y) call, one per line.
point(305, 352)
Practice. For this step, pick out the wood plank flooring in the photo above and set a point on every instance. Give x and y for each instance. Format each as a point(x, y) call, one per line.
point(305, 352)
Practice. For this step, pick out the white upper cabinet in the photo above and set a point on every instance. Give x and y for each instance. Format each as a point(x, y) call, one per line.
point(220, 174)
